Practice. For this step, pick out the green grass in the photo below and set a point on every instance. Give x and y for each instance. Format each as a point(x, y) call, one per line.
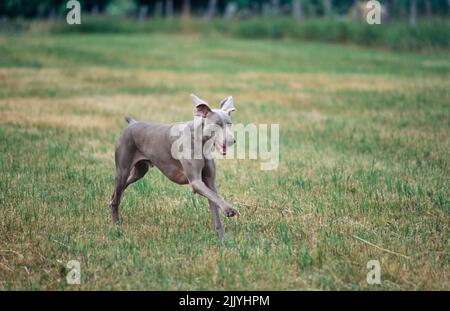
point(364, 147)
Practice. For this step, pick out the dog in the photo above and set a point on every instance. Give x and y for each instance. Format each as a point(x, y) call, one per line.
point(144, 145)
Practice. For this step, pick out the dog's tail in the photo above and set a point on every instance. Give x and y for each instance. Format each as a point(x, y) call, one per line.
point(130, 120)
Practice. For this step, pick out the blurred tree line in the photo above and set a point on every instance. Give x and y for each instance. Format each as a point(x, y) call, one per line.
point(224, 8)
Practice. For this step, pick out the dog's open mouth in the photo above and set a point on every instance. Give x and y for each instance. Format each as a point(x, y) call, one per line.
point(220, 149)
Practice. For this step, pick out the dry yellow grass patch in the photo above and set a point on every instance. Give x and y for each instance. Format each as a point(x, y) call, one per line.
point(57, 121)
point(327, 82)
point(139, 77)
point(32, 79)
point(51, 112)
point(92, 112)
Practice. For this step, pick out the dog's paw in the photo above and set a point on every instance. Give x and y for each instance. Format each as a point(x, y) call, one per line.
point(230, 212)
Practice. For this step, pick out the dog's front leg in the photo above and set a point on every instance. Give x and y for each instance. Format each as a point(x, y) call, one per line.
point(200, 187)
point(209, 176)
point(217, 222)
point(193, 171)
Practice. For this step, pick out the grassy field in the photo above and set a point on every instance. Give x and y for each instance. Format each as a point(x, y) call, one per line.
point(364, 158)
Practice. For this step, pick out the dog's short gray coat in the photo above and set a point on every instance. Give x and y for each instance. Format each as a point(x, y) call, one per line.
point(144, 145)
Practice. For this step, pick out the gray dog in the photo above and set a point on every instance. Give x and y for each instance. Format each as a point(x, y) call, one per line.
point(144, 145)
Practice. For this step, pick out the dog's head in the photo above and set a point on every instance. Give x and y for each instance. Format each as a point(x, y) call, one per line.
point(217, 122)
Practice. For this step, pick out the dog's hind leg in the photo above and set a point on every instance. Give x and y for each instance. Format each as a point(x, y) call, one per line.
point(137, 172)
point(121, 181)
point(124, 160)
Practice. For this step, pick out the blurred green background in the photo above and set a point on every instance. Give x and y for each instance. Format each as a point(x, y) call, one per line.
point(405, 24)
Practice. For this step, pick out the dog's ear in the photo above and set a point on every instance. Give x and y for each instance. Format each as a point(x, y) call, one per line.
point(201, 107)
point(227, 104)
